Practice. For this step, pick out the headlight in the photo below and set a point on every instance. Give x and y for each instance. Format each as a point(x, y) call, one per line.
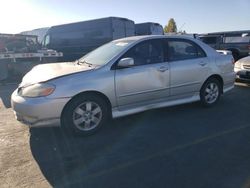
point(37, 90)
point(237, 65)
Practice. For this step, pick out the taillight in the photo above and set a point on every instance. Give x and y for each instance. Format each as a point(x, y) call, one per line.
point(248, 47)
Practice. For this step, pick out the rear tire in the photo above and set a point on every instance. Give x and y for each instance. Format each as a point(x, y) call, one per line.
point(85, 114)
point(210, 92)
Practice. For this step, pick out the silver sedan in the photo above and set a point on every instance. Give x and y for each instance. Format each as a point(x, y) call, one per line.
point(123, 77)
point(242, 69)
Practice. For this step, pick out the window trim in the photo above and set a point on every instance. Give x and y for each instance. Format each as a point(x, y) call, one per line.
point(115, 67)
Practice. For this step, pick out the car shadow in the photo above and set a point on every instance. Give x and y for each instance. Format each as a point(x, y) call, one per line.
point(65, 159)
point(74, 161)
point(116, 156)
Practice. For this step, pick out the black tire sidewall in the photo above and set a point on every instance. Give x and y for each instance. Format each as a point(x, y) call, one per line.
point(67, 115)
point(202, 92)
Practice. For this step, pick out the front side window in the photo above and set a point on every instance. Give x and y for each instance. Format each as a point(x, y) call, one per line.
point(181, 50)
point(146, 52)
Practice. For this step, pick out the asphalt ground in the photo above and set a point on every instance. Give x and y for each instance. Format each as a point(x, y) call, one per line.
point(176, 147)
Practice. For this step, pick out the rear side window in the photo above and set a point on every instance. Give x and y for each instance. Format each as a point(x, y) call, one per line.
point(184, 49)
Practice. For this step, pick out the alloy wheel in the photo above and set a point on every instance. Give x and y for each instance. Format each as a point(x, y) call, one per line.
point(87, 116)
point(211, 93)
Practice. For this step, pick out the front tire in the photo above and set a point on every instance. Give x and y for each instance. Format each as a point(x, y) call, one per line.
point(210, 92)
point(85, 114)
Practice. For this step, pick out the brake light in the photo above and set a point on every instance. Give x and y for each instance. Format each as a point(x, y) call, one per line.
point(248, 47)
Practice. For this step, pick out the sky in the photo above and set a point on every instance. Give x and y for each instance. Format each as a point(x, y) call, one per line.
point(193, 16)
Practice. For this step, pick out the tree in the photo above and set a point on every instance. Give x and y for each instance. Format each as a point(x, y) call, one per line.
point(171, 27)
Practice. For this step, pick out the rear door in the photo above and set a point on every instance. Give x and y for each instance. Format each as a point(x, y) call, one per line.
point(188, 65)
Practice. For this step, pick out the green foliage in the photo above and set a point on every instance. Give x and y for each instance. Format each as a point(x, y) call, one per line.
point(171, 27)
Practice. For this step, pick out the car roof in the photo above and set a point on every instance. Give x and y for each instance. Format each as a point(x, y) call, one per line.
point(136, 39)
point(141, 37)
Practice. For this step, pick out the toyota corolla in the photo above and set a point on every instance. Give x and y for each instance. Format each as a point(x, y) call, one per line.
point(122, 77)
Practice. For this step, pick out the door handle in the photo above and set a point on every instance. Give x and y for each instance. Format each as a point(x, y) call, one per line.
point(162, 69)
point(202, 63)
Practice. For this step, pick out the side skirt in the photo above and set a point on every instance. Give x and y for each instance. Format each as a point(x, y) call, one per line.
point(119, 113)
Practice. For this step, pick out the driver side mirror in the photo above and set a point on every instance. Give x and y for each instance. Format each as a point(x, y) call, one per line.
point(126, 62)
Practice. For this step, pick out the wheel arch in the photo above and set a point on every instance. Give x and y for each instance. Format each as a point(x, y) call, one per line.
point(92, 92)
point(217, 77)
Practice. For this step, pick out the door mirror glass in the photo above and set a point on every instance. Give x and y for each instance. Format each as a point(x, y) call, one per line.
point(126, 62)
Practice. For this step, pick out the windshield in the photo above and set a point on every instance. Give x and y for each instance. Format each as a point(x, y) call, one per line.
point(105, 53)
point(46, 41)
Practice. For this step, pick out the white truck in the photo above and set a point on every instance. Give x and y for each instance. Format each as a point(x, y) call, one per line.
point(19, 53)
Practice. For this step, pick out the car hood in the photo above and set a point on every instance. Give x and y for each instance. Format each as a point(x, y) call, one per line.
point(45, 72)
point(245, 60)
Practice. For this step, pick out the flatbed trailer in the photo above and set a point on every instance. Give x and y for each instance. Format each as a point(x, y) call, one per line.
point(19, 53)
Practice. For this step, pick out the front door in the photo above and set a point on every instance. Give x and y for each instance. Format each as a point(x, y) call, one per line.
point(145, 82)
